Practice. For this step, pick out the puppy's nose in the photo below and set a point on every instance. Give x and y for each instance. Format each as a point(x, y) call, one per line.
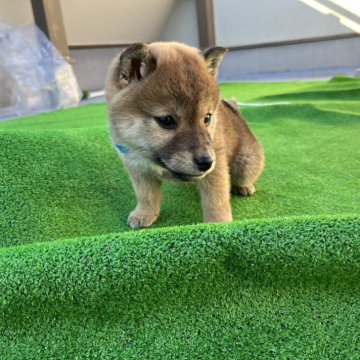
point(203, 162)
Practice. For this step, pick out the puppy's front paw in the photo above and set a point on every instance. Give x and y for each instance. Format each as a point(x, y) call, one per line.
point(139, 219)
point(246, 190)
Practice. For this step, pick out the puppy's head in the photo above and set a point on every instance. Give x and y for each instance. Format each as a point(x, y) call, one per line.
point(162, 101)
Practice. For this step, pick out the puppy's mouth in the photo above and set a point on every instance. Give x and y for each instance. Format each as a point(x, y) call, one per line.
point(179, 175)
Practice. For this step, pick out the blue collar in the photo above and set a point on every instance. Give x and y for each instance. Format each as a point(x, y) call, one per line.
point(123, 149)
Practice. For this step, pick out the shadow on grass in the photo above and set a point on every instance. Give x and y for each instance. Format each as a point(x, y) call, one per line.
point(316, 95)
point(317, 113)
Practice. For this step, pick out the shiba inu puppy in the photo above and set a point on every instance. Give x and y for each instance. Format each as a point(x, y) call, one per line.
point(167, 122)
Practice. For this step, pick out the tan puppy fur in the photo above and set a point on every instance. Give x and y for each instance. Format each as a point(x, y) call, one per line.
point(165, 112)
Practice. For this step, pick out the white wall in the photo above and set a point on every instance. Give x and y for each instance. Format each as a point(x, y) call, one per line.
point(104, 22)
point(16, 12)
point(182, 24)
point(238, 22)
point(262, 21)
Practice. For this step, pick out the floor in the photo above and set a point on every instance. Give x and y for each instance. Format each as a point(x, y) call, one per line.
point(304, 75)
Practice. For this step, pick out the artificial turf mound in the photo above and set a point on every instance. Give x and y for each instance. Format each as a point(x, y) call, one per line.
point(280, 282)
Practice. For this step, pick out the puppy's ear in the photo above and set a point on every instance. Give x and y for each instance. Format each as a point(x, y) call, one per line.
point(213, 57)
point(135, 63)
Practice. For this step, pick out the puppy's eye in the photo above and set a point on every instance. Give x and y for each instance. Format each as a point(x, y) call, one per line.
point(166, 122)
point(207, 119)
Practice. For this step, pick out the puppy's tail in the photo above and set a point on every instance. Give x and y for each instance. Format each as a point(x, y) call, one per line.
point(232, 104)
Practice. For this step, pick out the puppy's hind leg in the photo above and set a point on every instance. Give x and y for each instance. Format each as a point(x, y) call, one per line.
point(245, 170)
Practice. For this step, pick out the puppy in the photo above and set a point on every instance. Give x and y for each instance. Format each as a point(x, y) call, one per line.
point(167, 122)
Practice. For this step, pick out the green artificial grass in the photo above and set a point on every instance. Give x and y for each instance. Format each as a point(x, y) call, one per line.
point(282, 281)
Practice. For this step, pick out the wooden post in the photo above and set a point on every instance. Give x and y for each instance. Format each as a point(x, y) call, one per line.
point(206, 23)
point(48, 17)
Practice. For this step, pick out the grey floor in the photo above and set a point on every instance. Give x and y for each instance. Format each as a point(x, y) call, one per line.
point(305, 75)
